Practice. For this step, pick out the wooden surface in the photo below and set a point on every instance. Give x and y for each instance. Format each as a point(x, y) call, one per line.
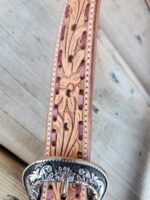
point(10, 177)
point(121, 107)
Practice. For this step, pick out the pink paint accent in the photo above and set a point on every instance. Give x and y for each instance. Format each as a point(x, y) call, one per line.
point(63, 32)
point(57, 85)
point(67, 11)
point(79, 154)
point(80, 130)
point(86, 15)
point(81, 99)
point(53, 137)
point(55, 112)
point(60, 58)
point(82, 69)
point(50, 193)
point(78, 190)
point(83, 40)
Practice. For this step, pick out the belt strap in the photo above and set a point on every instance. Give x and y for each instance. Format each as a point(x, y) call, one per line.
point(69, 116)
point(70, 104)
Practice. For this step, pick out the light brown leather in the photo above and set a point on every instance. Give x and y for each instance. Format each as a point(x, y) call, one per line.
point(70, 104)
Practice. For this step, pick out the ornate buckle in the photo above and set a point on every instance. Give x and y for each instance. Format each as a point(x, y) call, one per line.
point(57, 169)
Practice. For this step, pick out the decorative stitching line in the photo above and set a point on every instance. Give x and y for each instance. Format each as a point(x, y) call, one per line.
point(88, 73)
point(51, 100)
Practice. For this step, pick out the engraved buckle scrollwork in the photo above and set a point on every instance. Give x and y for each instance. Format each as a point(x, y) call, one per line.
point(56, 169)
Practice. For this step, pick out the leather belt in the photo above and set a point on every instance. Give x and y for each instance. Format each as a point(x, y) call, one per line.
point(66, 172)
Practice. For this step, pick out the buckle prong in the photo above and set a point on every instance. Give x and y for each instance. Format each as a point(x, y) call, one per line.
point(64, 190)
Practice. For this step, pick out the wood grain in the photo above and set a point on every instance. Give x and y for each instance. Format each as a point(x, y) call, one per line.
point(127, 26)
point(10, 177)
point(121, 106)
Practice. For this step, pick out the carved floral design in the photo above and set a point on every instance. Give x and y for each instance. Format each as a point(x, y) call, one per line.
point(71, 54)
point(69, 89)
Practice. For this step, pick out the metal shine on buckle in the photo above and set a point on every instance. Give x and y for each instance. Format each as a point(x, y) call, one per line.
point(58, 169)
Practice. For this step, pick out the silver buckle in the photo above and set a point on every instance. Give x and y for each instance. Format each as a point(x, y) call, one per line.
point(57, 169)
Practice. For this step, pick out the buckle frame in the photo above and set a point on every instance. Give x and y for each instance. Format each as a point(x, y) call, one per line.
point(58, 169)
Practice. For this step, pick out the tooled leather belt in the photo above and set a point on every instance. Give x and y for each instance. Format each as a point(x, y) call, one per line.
point(66, 172)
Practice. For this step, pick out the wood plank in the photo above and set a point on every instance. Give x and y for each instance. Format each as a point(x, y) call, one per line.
point(20, 25)
point(127, 26)
point(10, 177)
point(15, 99)
point(121, 127)
point(18, 139)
